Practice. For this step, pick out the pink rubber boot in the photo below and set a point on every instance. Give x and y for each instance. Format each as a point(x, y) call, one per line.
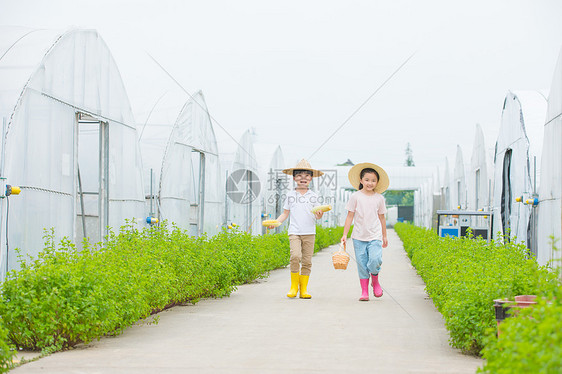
point(364, 290)
point(377, 289)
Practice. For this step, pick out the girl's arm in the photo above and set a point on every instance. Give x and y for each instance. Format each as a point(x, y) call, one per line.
point(346, 227)
point(383, 226)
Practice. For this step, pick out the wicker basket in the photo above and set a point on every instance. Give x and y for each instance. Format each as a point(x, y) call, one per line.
point(340, 258)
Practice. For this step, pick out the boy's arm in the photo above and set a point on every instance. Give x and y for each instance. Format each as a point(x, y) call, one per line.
point(347, 226)
point(383, 227)
point(283, 215)
point(281, 218)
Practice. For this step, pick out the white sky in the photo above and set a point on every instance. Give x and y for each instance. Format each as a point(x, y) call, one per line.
point(296, 70)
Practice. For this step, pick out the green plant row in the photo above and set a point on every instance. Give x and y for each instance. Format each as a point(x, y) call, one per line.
point(66, 296)
point(6, 351)
point(326, 236)
point(463, 276)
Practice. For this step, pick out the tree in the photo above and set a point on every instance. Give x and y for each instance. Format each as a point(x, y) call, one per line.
point(407, 198)
point(399, 198)
point(409, 156)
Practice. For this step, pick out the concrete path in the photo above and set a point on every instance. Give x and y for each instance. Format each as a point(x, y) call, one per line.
point(259, 330)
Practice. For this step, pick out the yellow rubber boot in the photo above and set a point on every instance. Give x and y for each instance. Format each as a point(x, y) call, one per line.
point(303, 284)
point(294, 285)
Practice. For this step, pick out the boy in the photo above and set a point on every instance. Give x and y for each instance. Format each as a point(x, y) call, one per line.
point(302, 226)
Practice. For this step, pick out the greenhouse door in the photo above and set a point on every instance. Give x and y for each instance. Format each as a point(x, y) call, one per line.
point(197, 211)
point(92, 198)
point(506, 194)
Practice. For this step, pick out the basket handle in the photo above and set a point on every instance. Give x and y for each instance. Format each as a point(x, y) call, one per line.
point(342, 246)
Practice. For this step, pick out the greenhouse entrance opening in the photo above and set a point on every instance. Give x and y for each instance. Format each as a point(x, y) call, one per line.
point(92, 198)
point(197, 192)
point(506, 194)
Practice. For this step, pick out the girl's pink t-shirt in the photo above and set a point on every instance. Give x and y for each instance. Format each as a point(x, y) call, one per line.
point(367, 208)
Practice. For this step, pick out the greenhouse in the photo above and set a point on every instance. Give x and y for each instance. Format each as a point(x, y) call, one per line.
point(445, 200)
point(183, 178)
point(276, 185)
point(69, 140)
point(550, 208)
point(478, 180)
point(458, 183)
point(243, 188)
point(516, 173)
point(427, 200)
point(326, 186)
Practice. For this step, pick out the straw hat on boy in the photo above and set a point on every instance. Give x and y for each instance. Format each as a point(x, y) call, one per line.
point(354, 176)
point(303, 165)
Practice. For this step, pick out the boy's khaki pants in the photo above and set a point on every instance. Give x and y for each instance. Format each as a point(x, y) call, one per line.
point(302, 249)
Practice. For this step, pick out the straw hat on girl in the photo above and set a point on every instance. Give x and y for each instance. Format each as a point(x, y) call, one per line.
point(354, 176)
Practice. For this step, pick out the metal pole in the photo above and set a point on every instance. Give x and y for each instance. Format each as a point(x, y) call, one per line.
point(75, 158)
point(535, 176)
point(82, 204)
point(104, 179)
point(249, 207)
point(201, 193)
point(490, 195)
point(225, 200)
point(3, 186)
point(151, 195)
point(276, 210)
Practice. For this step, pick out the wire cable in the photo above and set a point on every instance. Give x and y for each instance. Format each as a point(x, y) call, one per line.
point(363, 104)
point(206, 111)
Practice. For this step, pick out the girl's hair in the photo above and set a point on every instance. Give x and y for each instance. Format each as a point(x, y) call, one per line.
point(366, 171)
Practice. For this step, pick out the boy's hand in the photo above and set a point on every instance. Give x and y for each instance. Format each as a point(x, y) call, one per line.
point(384, 242)
point(344, 240)
point(319, 214)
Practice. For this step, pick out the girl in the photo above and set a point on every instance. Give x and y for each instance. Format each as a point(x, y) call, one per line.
point(366, 208)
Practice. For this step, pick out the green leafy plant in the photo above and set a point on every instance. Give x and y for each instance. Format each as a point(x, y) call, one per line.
point(326, 236)
point(66, 296)
point(6, 350)
point(531, 342)
point(464, 275)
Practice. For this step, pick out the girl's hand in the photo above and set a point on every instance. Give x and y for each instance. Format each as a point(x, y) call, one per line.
point(343, 240)
point(319, 214)
point(384, 242)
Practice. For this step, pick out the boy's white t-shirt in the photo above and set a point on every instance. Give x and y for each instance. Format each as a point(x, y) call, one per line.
point(367, 208)
point(301, 219)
